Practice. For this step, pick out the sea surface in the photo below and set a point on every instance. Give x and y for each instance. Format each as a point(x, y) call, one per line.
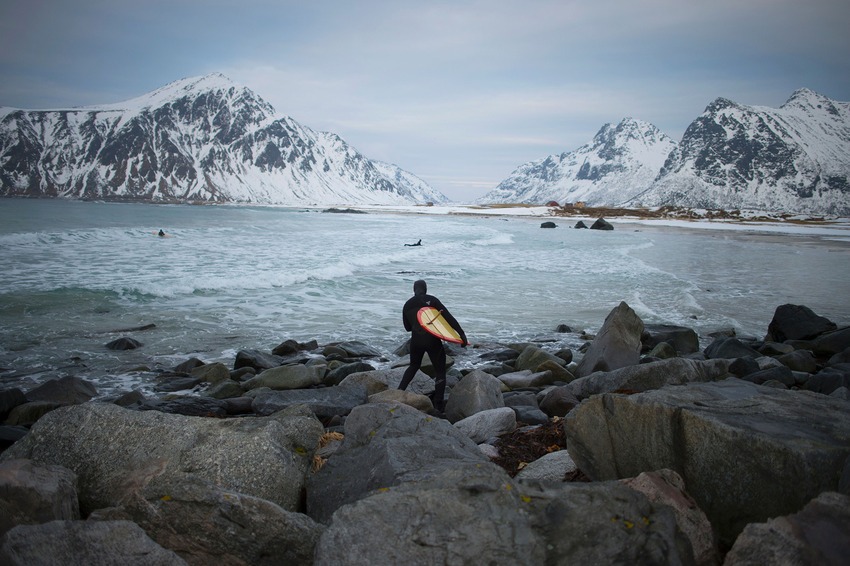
point(77, 275)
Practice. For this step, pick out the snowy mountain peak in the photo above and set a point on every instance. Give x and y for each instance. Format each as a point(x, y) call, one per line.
point(795, 158)
point(196, 139)
point(619, 163)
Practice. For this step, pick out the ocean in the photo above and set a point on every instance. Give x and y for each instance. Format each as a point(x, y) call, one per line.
point(76, 275)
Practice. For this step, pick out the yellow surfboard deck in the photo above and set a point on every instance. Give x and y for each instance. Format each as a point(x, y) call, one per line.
point(432, 320)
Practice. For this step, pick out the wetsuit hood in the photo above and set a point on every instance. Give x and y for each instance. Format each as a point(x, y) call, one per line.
point(420, 287)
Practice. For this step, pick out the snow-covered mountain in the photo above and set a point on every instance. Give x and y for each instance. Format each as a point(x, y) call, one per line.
point(620, 162)
point(792, 159)
point(198, 139)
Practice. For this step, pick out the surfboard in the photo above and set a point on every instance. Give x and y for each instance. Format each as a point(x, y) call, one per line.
point(433, 321)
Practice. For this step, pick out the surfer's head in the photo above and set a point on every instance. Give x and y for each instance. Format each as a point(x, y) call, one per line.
point(420, 287)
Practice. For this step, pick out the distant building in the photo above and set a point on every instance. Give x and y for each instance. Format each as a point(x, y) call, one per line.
point(580, 204)
point(552, 203)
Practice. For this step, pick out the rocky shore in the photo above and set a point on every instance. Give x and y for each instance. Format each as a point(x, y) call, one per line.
point(639, 447)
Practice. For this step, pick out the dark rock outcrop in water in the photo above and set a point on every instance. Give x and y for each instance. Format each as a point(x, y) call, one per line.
point(311, 455)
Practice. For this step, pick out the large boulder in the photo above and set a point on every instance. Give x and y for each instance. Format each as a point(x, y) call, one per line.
point(208, 525)
point(726, 347)
point(468, 515)
point(65, 391)
point(478, 515)
point(797, 322)
point(684, 340)
point(532, 356)
point(666, 487)
point(616, 345)
point(386, 445)
point(84, 542)
point(105, 444)
point(381, 379)
point(645, 377)
point(325, 403)
point(295, 376)
point(737, 445)
point(488, 424)
point(32, 493)
point(831, 343)
point(818, 534)
point(477, 391)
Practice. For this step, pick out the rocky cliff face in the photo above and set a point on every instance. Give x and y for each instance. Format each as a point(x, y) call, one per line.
point(619, 163)
point(792, 159)
point(201, 139)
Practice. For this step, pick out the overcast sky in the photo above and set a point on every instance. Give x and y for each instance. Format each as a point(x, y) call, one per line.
point(459, 93)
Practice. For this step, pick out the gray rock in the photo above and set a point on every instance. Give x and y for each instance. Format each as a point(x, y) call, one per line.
point(114, 543)
point(841, 393)
point(645, 377)
point(558, 401)
point(780, 374)
point(355, 349)
point(551, 467)
point(336, 376)
point(488, 424)
point(796, 322)
point(227, 389)
point(616, 345)
point(800, 360)
point(530, 415)
point(730, 348)
point(662, 351)
point(187, 405)
point(9, 399)
point(829, 379)
point(477, 391)
point(207, 525)
point(775, 349)
point(602, 523)
point(256, 359)
point(378, 380)
point(65, 391)
point(601, 224)
point(420, 402)
point(525, 378)
point(171, 383)
point(666, 487)
point(211, 373)
point(580, 224)
point(842, 357)
point(386, 445)
point(548, 225)
point(682, 339)
point(295, 376)
point(188, 365)
point(469, 515)
point(36, 493)
point(29, 413)
point(324, 403)
point(532, 356)
point(124, 343)
point(520, 399)
point(105, 445)
point(796, 444)
point(817, 534)
point(831, 343)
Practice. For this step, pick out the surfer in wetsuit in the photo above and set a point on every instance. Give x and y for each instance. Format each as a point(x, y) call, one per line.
point(161, 233)
point(419, 243)
point(422, 341)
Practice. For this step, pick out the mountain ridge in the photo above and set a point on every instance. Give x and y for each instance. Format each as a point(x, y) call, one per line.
point(795, 158)
point(200, 139)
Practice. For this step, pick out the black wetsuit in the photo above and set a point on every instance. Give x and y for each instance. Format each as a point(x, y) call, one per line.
point(422, 342)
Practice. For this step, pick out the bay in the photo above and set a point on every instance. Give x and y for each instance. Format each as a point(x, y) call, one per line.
point(242, 277)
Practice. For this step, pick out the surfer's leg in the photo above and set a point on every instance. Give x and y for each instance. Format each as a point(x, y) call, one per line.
point(438, 358)
point(417, 352)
